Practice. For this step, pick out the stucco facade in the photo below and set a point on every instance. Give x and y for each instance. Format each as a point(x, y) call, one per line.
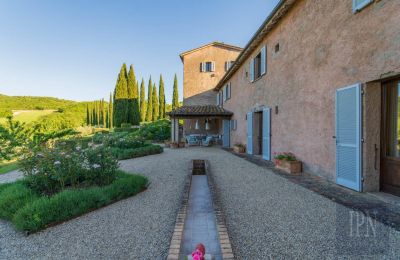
point(198, 87)
point(323, 46)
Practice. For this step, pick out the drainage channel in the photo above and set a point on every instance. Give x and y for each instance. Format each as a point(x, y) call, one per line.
point(197, 222)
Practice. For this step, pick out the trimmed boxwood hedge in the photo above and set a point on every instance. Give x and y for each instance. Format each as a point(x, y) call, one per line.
point(36, 213)
point(130, 153)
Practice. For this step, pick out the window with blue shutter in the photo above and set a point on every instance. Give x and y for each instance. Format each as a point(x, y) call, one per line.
point(263, 62)
point(251, 68)
point(360, 4)
point(250, 133)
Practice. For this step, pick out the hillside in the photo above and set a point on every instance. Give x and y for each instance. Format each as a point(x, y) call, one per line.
point(9, 103)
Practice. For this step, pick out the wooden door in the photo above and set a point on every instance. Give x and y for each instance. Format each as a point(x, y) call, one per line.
point(390, 143)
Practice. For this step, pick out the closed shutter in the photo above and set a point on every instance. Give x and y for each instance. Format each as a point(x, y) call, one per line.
point(348, 137)
point(224, 93)
point(250, 133)
point(226, 66)
point(266, 134)
point(202, 67)
point(263, 60)
point(226, 135)
point(218, 98)
point(230, 90)
point(251, 70)
point(213, 66)
point(360, 4)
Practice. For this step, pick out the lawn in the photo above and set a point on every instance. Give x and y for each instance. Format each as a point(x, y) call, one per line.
point(7, 167)
point(28, 116)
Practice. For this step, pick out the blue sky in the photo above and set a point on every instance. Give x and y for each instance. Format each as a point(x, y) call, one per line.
point(74, 49)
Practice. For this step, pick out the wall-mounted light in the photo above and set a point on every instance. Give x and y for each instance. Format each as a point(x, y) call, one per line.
point(196, 126)
point(207, 125)
point(276, 109)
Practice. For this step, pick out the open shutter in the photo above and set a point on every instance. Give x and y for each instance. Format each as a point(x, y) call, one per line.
point(250, 133)
point(226, 66)
point(218, 98)
point(213, 66)
point(226, 134)
point(360, 4)
point(201, 66)
point(229, 90)
point(263, 60)
point(266, 134)
point(251, 70)
point(348, 137)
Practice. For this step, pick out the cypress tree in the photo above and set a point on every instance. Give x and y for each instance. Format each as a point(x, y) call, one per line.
point(155, 104)
point(87, 115)
point(110, 112)
point(175, 97)
point(161, 96)
point(133, 98)
point(149, 114)
point(121, 98)
point(142, 102)
point(103, 113)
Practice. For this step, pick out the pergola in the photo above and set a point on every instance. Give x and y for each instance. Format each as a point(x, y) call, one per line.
point(195, 112)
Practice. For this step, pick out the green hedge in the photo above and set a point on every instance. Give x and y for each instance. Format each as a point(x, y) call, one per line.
point(149, 149)
point(37, 213)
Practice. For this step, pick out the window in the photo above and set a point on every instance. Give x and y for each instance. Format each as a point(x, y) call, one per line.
point(220, 99)
point(258, 65)
point(228, 64)
point(226, 90)
point(277, 47)
point(208, 66)
point(360, 4)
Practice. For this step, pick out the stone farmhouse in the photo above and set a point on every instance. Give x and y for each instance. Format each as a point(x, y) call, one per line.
point(320, 79)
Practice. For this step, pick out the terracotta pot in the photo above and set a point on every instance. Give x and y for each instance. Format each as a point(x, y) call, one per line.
point(182, 144)
point(293, 167)
point(239, 149)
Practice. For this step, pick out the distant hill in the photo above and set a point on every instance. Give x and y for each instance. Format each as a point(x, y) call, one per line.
point(9, 103)
point(49, 112)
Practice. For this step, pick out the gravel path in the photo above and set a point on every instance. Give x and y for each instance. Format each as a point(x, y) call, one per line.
point(139, 227)
point(269, 217)
point(10, 176)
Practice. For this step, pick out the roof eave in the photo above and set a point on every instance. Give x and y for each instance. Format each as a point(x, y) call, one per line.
point(247, 49)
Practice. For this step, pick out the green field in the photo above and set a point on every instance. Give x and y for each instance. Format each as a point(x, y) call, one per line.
point(7, 167)
point(27, 116)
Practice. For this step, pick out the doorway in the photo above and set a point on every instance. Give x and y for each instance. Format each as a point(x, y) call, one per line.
point(390, 143)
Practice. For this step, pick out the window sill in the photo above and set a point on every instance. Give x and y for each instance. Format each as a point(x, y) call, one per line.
point(257, 79)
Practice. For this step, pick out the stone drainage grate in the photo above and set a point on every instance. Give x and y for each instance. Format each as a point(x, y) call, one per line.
point(200, 220)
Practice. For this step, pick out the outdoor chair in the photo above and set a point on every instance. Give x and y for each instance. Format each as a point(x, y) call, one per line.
point(207, 141)
point(192, 140)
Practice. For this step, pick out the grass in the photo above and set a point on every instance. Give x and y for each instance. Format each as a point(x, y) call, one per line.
point(31, 213)
point(8, 167)
point(28, 116)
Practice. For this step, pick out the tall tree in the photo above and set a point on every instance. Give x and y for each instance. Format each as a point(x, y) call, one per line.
point(142, 102)
point(87, 115)
point(175, 97)
point(103, 112)
point(149, 114)
point(155, 104)
point(121, 98)
point(133, 98)
point(161, 96)
point(110, 112)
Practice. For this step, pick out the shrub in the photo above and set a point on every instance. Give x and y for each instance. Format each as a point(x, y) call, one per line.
point(14, 197)
point(149, 149)
point(50, 170)
point(285, 156)
point(72, 203)
point(156, 131)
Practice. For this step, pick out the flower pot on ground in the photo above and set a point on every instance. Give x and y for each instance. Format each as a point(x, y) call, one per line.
point(239, 148)
point(288, 163)
point(174, 145)
point(182, 144)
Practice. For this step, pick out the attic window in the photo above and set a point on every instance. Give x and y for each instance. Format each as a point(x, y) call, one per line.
point(277, 48)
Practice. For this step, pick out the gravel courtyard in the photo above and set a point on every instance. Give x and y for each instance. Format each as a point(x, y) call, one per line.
point(139, 227)
point(267, 217)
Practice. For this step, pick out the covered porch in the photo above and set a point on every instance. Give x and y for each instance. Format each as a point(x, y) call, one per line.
point(201, 124)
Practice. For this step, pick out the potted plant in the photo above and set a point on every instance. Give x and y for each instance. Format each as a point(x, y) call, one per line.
point(239, 148)
point(287, 162)
point(174, 145)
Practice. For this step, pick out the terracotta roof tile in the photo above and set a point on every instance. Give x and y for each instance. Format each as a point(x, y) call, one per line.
point(208, 110)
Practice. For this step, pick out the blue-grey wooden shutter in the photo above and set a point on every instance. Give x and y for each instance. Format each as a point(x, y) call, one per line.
point(218, 98)
point(251, 68)
point(266, 134)
point(250, 133)
point(263, 60)
point(226, 134)
point(348, 137)
point(360, 4)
